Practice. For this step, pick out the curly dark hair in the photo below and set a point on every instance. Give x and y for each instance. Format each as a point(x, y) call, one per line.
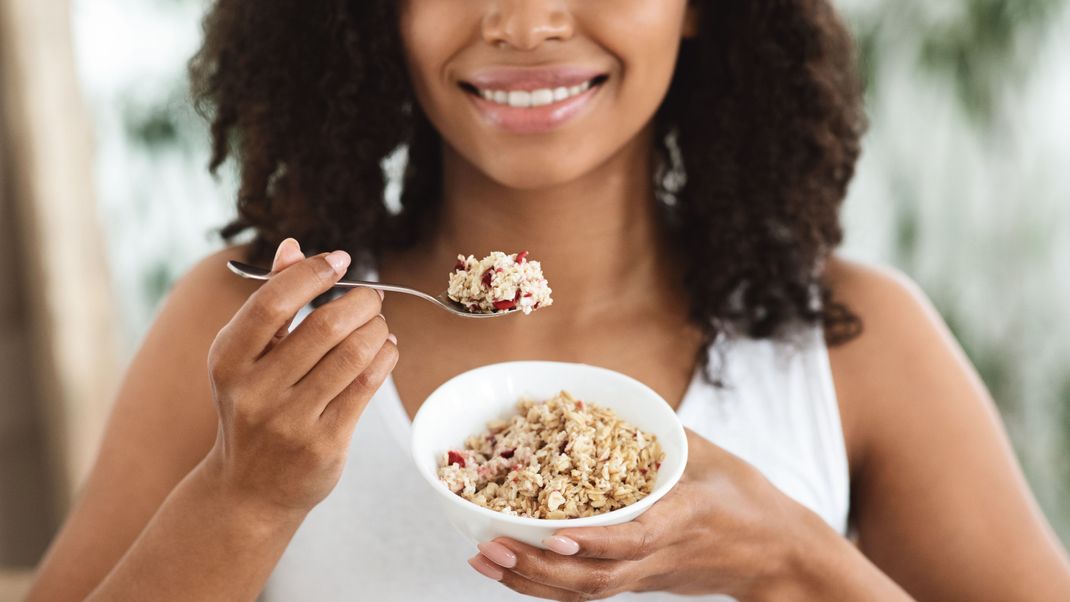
point(757, 137)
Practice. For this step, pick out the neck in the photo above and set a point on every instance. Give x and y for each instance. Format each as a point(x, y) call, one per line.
point(597, 237)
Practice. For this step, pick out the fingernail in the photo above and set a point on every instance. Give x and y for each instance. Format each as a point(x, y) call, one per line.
point(393, 339)
point(562, 545)
point(284, 248)
point(382, 295)
point(486, 568)
point(339, 260)
point(498, 554)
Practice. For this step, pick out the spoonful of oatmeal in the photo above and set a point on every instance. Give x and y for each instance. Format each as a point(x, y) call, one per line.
point(494, 286)
point(498, 283)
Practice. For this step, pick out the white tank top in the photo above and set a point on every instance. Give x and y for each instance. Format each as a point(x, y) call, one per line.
point(380, 537)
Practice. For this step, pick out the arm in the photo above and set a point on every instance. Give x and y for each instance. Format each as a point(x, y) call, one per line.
point(724, 529)
point(941, 507)
point(938, 499)
point(287, 405)
point(205, 542)
point(162, 424)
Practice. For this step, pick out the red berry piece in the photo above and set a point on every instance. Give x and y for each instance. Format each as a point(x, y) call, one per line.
point(459, 265)
point(456, 458)
point(508, 453)
point(504, 304)
point(487, 276)
point(521, 257)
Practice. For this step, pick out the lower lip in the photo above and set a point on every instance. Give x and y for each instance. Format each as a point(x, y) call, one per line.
point(533, 120)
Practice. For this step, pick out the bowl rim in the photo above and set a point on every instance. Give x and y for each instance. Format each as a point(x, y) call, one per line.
point(559, 523)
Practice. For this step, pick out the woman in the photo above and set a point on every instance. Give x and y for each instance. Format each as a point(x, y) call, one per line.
point(682, 195)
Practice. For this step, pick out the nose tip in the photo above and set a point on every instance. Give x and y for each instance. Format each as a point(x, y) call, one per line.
point(527, 24)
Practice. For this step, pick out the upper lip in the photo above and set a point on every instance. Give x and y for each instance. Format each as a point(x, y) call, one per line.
point(530, 78)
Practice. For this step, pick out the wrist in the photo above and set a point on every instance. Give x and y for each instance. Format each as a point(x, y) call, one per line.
point(826, 566)
point(242, 507)
point(810, 565)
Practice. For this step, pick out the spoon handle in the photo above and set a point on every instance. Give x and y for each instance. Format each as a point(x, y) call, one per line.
point(255, 273)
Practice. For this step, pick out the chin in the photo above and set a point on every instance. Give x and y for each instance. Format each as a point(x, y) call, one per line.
point(531, 169)
point(533, 175)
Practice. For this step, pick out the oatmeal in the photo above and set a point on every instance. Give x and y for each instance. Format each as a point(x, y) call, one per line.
point(499, 282)
point(559, 458)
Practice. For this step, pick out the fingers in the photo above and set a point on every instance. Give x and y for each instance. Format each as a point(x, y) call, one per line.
point(322, 330)
point(342, 364)
point(288, 253)
point(628, 541)
point(276, 301)
point(345, 409)
point(529, 566)
point(519, 584)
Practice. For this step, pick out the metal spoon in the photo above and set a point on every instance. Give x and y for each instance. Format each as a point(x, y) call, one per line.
point(442, 300)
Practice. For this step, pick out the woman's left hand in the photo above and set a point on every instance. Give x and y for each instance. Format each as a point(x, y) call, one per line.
point(724, 529)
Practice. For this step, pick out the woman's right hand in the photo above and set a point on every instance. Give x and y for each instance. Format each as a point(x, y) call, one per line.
point(288, 402)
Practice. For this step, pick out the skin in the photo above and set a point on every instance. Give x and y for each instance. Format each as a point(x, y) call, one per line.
point(227, 431)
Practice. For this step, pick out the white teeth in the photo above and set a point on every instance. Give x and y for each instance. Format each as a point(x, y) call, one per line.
point(519, 98)
point(542, 97)
point(534, 98)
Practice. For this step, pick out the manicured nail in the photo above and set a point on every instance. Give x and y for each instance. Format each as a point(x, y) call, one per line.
point(286, 247)
point(486, 568)
point(393, 339)
point(339, 260)
point(382, 295)
point(562, 545)
point(498, 554)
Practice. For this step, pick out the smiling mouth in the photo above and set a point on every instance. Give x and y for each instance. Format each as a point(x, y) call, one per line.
point(533, 98)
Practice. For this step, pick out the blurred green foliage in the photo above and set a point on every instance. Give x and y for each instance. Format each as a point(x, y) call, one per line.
point(982, 46)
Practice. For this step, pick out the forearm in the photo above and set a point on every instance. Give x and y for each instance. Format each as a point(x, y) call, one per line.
point(203, 544)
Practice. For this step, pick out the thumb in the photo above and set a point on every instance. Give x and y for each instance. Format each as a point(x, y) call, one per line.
point(288, 253)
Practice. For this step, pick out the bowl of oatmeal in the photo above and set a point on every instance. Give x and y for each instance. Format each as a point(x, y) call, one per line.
point(522, 449)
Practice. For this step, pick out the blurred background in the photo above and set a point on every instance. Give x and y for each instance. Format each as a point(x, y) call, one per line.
point(105, 201)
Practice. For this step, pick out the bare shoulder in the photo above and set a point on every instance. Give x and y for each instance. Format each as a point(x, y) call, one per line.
point(931, 465)
point(882, 294)
point(199, 304)
point(210, 286)
point(904, 360)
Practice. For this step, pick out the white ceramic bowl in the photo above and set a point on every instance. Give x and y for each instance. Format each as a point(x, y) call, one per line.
point(463, 405)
